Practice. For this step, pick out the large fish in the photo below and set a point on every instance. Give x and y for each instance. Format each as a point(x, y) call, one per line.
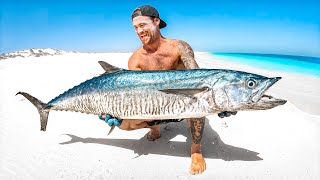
point(172, 94)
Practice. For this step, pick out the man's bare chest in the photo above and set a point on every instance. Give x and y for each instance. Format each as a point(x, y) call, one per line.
point(164, 61)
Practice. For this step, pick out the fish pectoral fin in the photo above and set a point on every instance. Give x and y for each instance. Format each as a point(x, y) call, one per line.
point(186, 92)
point(109, 68)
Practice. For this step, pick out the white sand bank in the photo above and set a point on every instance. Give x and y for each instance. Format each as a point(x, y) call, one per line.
point(281, 143)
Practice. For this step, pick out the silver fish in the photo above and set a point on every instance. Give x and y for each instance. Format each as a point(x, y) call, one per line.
point(172, 94)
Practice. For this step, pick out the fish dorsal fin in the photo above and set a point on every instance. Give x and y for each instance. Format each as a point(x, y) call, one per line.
point(190, 92)
point(109, 68)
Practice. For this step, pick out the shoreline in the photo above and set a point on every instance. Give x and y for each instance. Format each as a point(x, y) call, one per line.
point(282, 63)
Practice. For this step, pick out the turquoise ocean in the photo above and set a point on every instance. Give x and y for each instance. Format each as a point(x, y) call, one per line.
point(288, 63)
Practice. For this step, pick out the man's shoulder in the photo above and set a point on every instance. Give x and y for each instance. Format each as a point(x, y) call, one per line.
point(172, 41)
point(135, 55)
point(181, 46)
point(137, 52)
point(177, 42)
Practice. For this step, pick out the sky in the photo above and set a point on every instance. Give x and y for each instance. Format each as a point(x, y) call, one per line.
point(273, 26)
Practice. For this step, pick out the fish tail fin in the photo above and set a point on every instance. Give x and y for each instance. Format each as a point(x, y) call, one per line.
point(42, 108)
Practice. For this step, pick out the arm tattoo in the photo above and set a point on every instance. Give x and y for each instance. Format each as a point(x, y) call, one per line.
point(196, 128)
point(187, 55)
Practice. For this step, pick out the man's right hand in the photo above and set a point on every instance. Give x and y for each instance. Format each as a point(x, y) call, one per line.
point(226, 113)
point(110, 120)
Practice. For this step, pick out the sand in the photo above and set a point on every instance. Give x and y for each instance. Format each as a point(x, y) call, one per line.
point(281, 143)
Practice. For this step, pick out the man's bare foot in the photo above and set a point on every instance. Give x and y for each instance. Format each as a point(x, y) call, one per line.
point(198, 164)
point(154, 133)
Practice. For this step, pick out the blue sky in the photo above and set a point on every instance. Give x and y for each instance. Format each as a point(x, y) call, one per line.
point(281, 27)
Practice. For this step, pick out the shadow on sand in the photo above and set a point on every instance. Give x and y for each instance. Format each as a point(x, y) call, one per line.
point(212, 145)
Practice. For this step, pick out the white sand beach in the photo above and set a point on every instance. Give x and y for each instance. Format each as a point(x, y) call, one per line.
point(281, 143)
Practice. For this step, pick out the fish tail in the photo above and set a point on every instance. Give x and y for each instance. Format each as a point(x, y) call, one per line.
point(42, 108)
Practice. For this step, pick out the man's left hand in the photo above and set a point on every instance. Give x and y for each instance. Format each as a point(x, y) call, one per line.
point(110, 120)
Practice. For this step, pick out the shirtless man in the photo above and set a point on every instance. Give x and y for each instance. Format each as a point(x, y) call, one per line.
point(159, 53)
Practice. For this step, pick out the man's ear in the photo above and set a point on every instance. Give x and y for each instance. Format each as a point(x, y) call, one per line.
point(157, 21)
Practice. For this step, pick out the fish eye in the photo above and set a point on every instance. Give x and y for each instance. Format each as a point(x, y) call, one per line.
point(251, 83)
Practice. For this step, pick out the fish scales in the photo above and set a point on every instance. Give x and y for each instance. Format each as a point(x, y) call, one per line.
point(122, 104)
point(92, 88)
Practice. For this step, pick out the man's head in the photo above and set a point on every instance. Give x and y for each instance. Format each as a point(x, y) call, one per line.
point(147, 23)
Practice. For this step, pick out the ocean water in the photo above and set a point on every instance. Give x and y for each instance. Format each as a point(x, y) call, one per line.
point(297, 64)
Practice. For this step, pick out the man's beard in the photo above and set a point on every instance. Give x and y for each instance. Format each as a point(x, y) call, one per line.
point(150, 37)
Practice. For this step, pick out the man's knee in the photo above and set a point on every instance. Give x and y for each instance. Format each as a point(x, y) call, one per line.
point(126, 125)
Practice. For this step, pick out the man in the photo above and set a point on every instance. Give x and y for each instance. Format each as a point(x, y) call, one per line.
point(159, 53)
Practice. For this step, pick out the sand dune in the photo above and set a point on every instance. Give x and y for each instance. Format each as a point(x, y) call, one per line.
point(281, 143)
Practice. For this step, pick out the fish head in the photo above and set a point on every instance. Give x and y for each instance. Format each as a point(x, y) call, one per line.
point(244, 91)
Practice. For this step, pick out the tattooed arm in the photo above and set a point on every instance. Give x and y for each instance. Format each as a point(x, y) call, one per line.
point(186, 55)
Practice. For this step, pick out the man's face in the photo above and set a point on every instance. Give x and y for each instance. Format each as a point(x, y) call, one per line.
point(146, 28)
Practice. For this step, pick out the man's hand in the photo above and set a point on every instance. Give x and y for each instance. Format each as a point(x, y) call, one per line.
point(110, 120)
point(226, 113)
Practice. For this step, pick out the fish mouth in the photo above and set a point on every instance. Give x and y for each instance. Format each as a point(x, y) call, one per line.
point(262, 101)
point(256, 96)
point(267, 102)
